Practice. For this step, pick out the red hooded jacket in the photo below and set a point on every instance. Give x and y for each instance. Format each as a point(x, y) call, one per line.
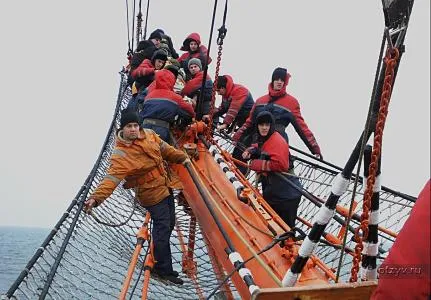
point(144, 69)
point(278, 151)
point(162, 102)
point(286, 110)
point(201, 53)
point(237, 98)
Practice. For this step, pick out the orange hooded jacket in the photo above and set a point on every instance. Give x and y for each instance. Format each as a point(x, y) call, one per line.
point(140, 163)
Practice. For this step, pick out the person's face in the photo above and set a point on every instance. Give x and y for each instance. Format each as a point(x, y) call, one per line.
point(194, 69)
point(278, 84)
point(156, 42)
point(158, 64)
point(221, 91)
point(193, 46)
point(264, 128)
point(131, 131)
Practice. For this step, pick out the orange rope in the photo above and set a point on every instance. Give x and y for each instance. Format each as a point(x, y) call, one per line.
point(390, 62)
point(142, 235)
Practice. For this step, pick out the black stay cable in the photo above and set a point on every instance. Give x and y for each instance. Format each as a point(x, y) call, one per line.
point(129, 51)
point(204, 78)
point(139, 24)
point(146, 20)
point(133, 24)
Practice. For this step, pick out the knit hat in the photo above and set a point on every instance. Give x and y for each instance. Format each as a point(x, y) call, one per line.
point(144, 44)
point(265, 117)
point(159, 54)
point(221, 82)
point(174, 69)
point(128, 116)
point(174, 62)
point(165, 48)
point(162, 32)
point(156, 34)
point(279, 73)
point(195, 61)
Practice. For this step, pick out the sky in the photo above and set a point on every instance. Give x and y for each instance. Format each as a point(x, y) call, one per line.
point(60, 81)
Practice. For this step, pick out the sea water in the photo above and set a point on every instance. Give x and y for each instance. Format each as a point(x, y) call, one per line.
point(17, 246)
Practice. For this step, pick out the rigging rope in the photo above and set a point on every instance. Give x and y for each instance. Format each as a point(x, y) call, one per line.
point(221, 35)
point(129, 51)
point(115, 225)
point(390, 62)
point(364, 140)
point(133, 25)
point(139, 23)
point(277, 239)
point(146, 20)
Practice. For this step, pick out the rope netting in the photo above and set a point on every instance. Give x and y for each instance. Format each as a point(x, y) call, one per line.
point(83, 258)
point(317, 178)
point(96, 259)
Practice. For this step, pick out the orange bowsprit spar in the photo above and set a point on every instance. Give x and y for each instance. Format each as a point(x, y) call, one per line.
point(248, 238)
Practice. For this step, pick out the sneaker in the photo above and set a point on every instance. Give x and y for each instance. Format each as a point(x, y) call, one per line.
point(172, 277)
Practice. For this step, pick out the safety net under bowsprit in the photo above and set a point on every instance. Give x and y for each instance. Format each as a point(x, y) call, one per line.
point(82, 258)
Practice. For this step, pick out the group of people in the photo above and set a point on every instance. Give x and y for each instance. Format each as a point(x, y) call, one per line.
point(143, 139)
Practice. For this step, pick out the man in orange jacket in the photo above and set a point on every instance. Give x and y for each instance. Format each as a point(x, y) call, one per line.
point(138, 158)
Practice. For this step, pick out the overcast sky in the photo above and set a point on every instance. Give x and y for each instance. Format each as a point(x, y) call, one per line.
point(60, 62)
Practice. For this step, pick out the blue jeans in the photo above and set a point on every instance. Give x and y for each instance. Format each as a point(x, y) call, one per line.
point(163, 216)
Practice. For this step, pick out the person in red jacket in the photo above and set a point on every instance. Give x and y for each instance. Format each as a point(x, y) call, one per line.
point(237, 102)
point(192, 44)
point(144, 73)
point(270, 155)
point(162, 105)
point(405, 273)
point(285, 109)
point(192, 89)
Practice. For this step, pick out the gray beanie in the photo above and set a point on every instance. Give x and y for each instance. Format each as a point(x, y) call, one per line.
point(195, 61)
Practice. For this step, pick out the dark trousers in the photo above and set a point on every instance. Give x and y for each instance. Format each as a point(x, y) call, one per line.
point(287, 210)
point(163, 216)
point(137, 100)
point(163, 132)
point(244, 143)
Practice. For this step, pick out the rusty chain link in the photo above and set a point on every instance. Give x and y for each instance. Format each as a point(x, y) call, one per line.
point(391, 59)
point(222, 34)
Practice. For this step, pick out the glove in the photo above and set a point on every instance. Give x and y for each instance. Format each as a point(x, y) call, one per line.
point(237, 136)
point(187, 161)
point(264, 156)
point(254, 152)
point(316, 151)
